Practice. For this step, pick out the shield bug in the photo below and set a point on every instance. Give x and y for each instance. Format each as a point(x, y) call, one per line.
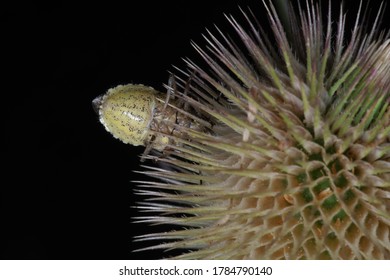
point(142, 116)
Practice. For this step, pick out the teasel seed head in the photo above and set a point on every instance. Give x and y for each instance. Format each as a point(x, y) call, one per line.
point(295, 160)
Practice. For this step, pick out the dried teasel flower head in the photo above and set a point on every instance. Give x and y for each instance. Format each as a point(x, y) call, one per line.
point(279, 148)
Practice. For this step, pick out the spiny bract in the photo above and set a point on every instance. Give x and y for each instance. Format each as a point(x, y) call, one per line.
point(297, 162)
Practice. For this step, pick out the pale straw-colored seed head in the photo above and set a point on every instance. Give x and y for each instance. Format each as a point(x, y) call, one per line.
point(291, 155)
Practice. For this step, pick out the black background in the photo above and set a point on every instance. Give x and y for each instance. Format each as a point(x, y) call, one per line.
point(66, 190)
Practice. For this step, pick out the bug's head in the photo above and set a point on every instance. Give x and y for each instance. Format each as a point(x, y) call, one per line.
point(97, 103)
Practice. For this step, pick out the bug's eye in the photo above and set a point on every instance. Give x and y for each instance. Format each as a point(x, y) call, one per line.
point(96, 103)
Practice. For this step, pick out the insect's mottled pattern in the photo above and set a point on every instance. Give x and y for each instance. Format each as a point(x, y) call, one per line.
point(141, 116)
point(125, 111)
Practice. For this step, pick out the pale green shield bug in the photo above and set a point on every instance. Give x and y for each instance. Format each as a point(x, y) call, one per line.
point(142, 116)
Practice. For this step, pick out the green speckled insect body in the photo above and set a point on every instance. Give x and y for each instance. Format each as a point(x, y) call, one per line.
point(141, 116)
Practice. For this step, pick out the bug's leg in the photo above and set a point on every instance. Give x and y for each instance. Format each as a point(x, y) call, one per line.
point(184, 104)
point(171, 90)
point(148, 148)
point(160, 114)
